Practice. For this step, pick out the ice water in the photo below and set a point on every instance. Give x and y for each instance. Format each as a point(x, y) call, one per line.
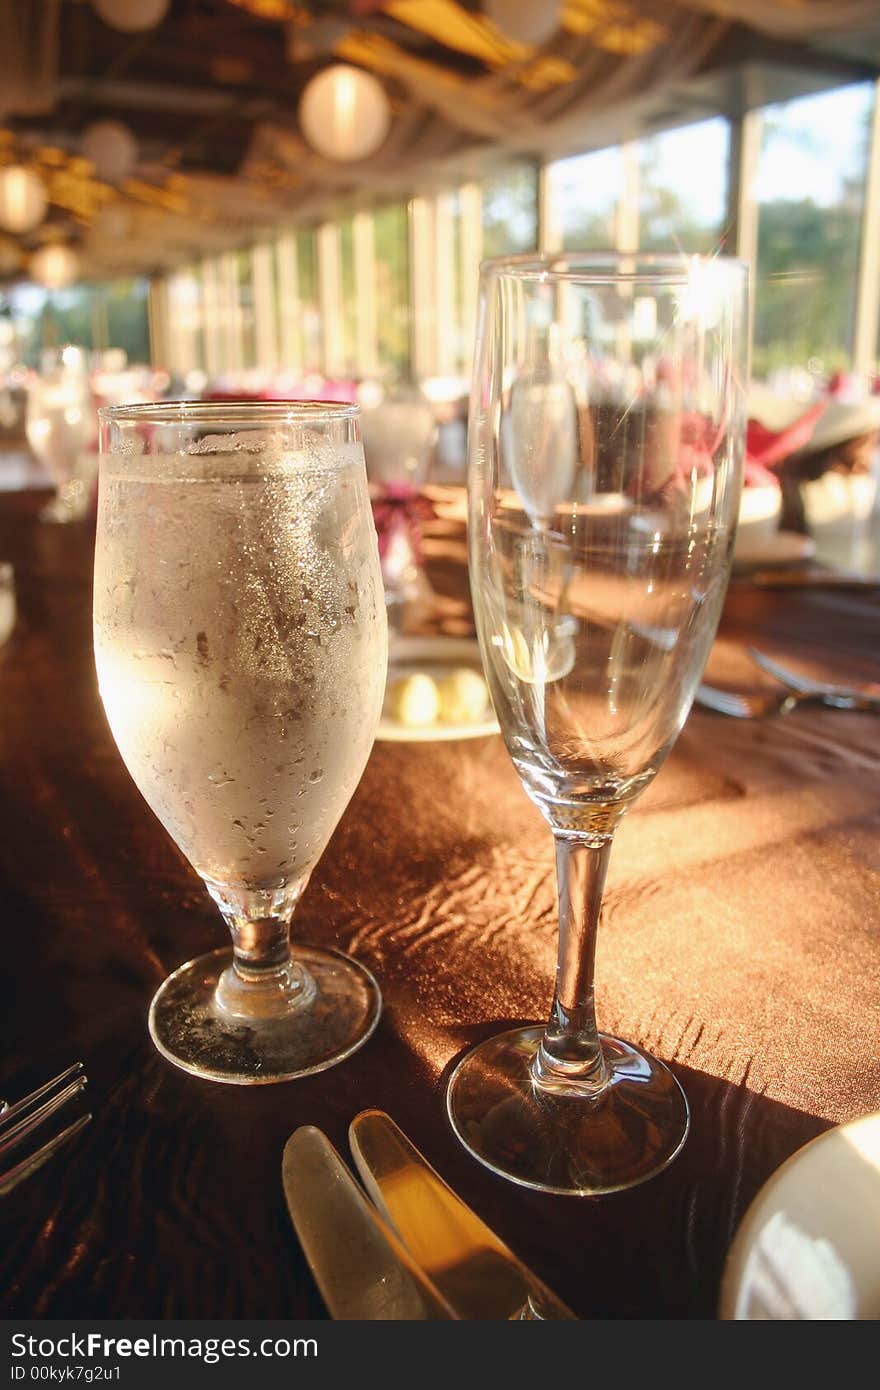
point(240, 644)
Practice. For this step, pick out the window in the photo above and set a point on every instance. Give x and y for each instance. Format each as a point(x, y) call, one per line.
point(309, 308)
point(584, 195)
point(510, 212)
point(92, 316)
point(246, 314)
point(128, 319)
point(349, 306)
point(185, 322)
point(810, 191)
point(391, 238)
point(683, 188)
point(450, 284)
point(393, 291)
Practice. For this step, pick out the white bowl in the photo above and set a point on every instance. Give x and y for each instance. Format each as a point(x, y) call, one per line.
point(807, 1246)
point(759, 511)
point(837, 509)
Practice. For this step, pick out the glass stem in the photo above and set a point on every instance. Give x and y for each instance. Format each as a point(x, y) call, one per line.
point(263, 979)
point(569, 1058)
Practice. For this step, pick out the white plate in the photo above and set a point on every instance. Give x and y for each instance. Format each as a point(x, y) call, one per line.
point(808, 1245)
point(436, 657)
point(782, 548)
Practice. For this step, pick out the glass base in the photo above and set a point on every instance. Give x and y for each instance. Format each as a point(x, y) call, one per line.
point(575, 1146)
point(70, 503)
point(195, 1032)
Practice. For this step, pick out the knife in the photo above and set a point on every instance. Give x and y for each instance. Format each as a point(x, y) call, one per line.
point(472, 1268)
point(812, 579)
point(360, 1266)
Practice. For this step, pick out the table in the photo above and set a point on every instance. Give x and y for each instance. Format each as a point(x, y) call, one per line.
point(740, 942)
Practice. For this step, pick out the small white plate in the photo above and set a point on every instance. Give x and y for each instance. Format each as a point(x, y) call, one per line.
point(435, 657)
point(770, 552)
point(807, 1248)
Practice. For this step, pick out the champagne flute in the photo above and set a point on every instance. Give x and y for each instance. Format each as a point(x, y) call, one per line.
point(241, 650)
point(598, 572)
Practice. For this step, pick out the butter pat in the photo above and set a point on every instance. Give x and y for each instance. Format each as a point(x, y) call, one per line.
point(462, 697)
point(414, 700)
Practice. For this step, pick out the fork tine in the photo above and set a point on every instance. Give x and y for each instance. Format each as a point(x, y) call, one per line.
point(793, 681)
point(13, 1136)
point(14, 1176)
point(9, 1112)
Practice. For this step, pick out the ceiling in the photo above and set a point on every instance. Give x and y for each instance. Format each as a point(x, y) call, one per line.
point(211, 95)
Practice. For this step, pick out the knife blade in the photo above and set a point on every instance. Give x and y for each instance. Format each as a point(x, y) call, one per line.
point(359, 1264)
point(477, 1274)
point(812, 579)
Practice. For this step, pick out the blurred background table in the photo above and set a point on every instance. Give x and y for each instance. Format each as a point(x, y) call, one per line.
point(740, 943)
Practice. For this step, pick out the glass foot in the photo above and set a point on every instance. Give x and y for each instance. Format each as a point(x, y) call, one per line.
point(195, 1032)
point(570, 1145)
point(70, 503)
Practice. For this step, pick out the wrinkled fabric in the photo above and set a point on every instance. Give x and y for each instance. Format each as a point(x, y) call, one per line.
point(740, 941)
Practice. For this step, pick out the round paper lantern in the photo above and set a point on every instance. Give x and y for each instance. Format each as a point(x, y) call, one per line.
point(131, 16)
point(23, 200)
point(344, 113)
point(54, 267)
point(112, 148)
point(526, 21)
point(113, 223)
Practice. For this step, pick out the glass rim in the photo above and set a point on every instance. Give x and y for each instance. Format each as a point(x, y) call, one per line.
point(232, 412)
point(607, 267)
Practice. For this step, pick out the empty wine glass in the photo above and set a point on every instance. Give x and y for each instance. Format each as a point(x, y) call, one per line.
point(58, 419)
point(241, 650)
point(400, 434)
point(606, 441)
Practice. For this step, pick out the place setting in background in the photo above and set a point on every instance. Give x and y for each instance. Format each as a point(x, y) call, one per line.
point(435, 689)
point(810, 487)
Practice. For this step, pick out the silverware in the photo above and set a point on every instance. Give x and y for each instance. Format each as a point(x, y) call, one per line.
point(812, 579)
point(360, 1266)
point(20, 1122)
point(466, 1261)
point(805, 686)
point(765, 704)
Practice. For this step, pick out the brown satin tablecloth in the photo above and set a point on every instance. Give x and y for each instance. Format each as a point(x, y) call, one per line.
point(740, 942)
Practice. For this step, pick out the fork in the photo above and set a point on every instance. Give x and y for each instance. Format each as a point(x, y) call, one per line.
point(19, 1121)
point(767, 703)
point(805, 686)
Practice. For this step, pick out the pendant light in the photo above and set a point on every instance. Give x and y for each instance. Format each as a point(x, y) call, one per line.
point(344, 113)
point(525, 21)
point(23, 200)
point(55, 266)
point(131, 16)
point(112, 148)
